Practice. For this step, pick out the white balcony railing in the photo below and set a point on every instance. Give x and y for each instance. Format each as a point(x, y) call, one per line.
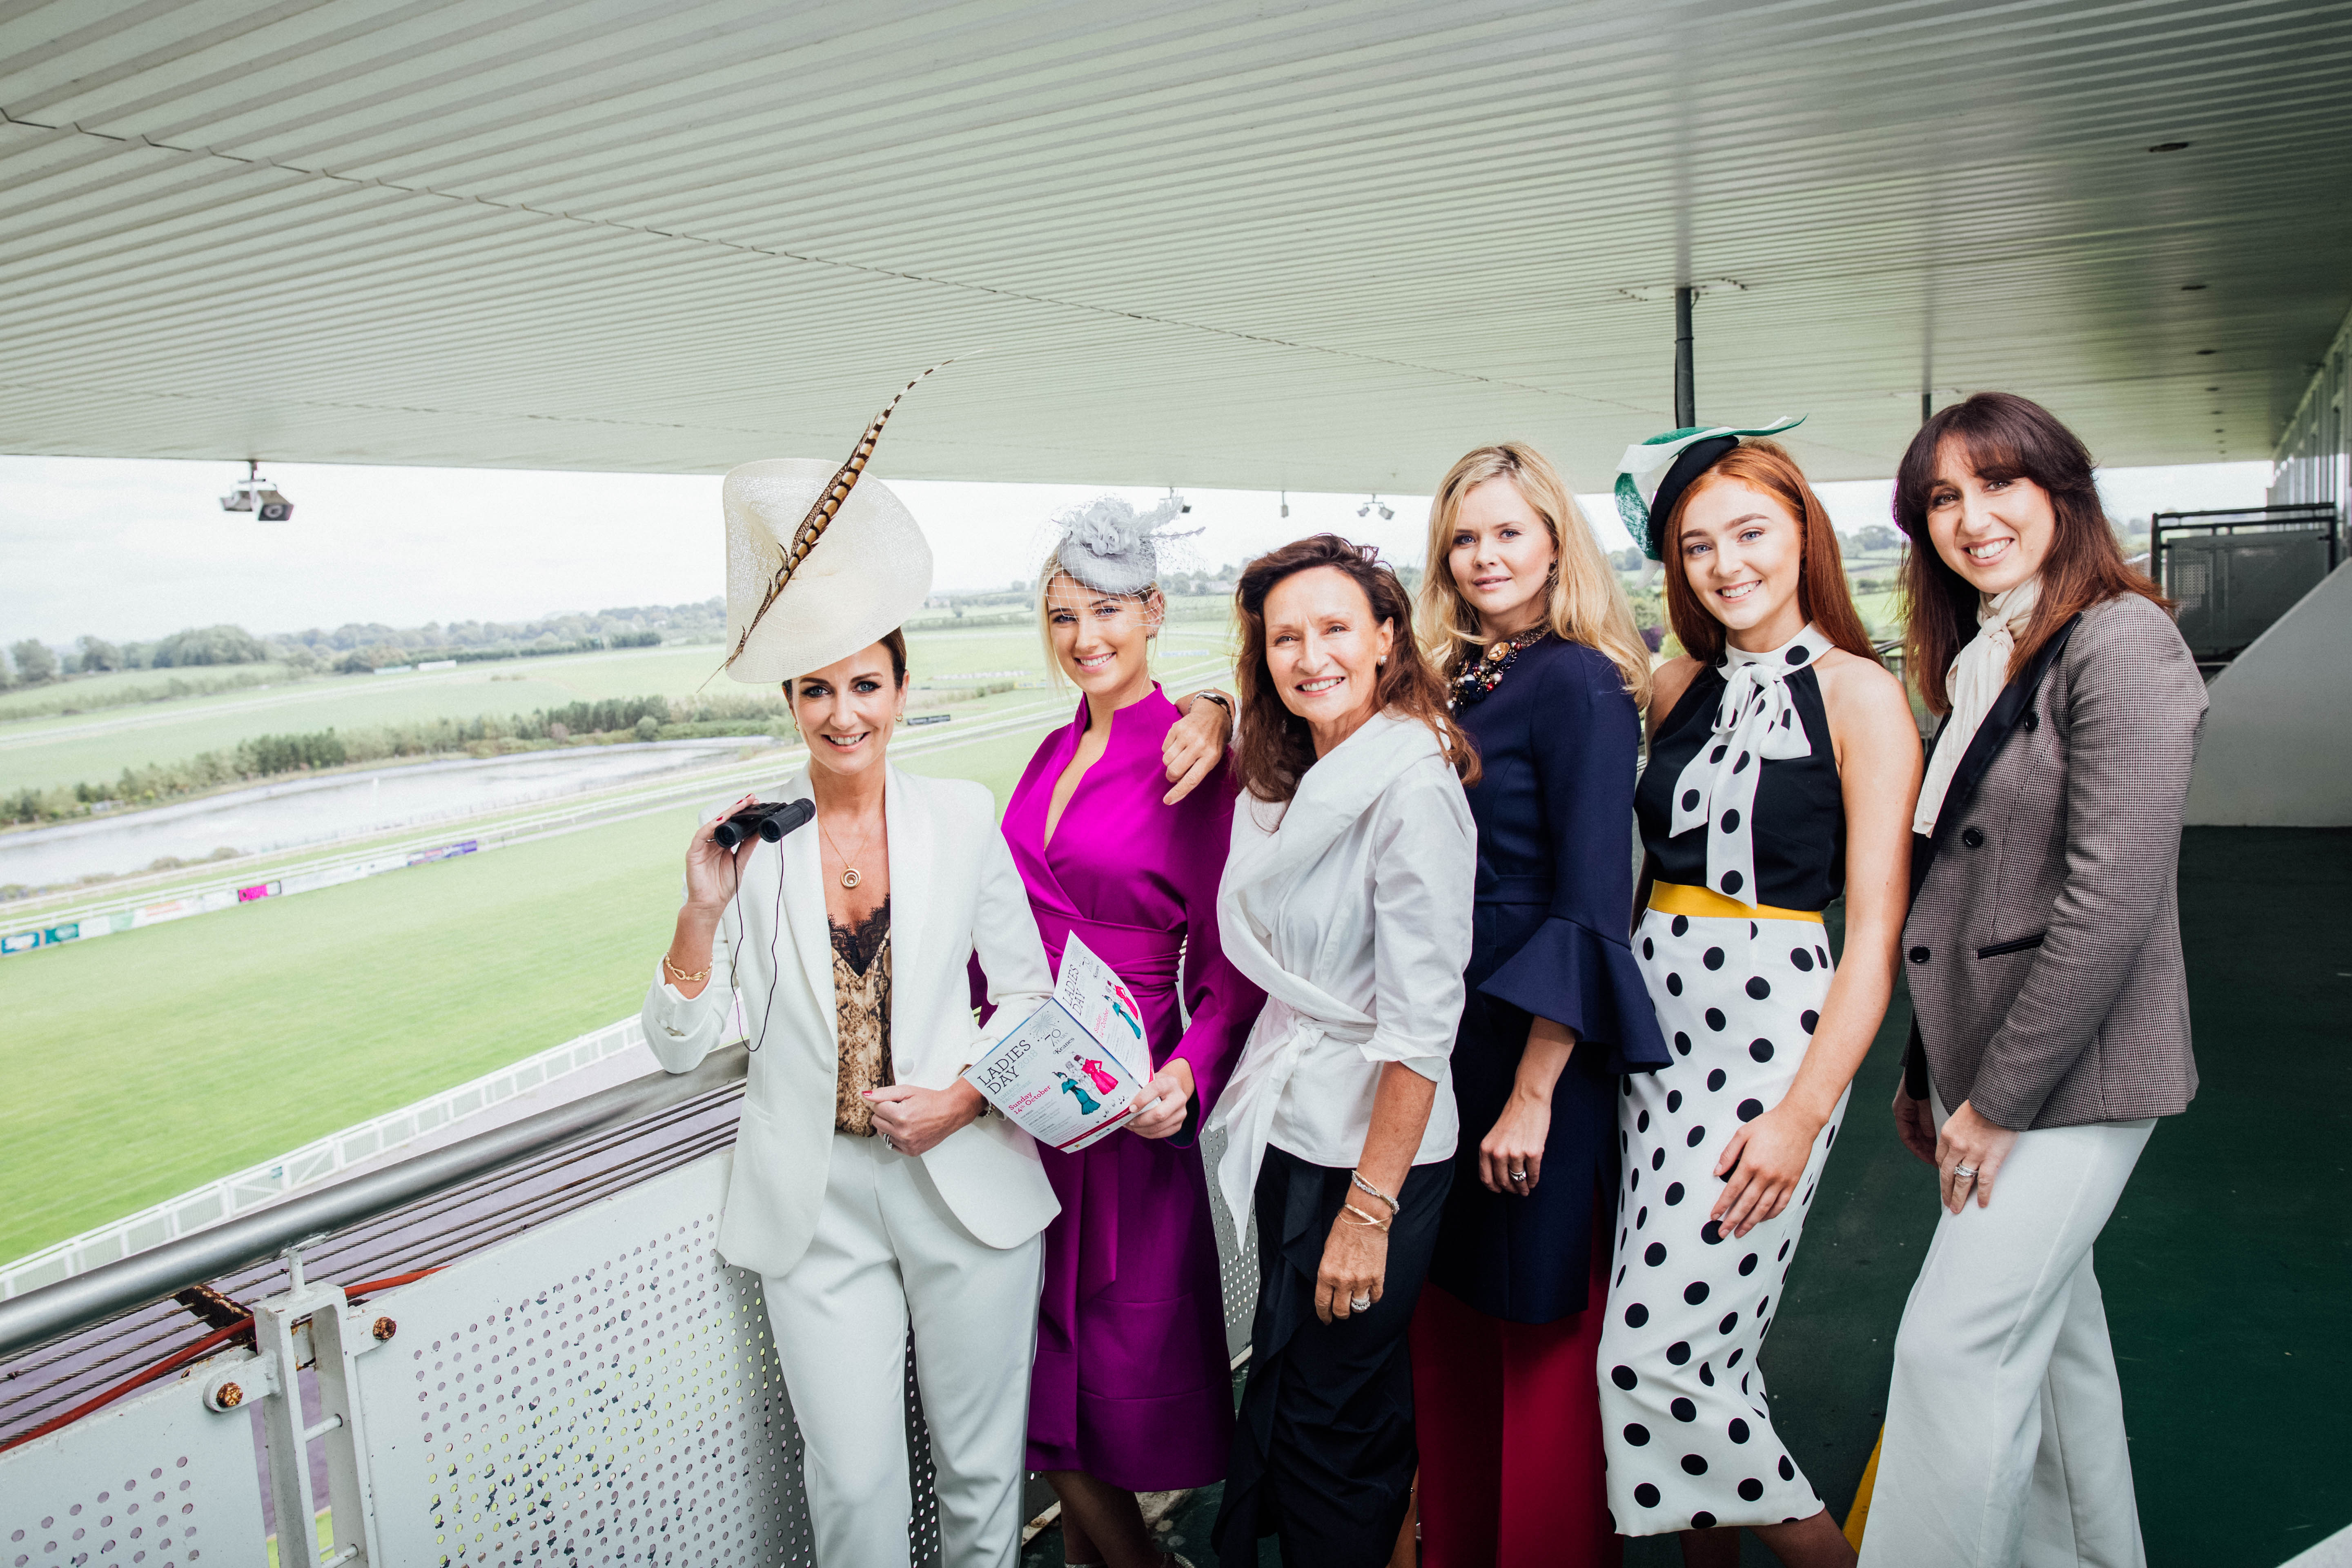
point(550, 1364)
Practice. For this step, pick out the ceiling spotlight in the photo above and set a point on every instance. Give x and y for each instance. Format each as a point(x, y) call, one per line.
point(1374, 505)
point(1172, 496)
point(1286, 503)
point(258, 496)
point(1656, 292)
point(2169, 147)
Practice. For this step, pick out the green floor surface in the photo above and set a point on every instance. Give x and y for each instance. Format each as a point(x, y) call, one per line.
point(2222, 1268)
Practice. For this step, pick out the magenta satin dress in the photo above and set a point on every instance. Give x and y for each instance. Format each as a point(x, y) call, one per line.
point(1132, 1383)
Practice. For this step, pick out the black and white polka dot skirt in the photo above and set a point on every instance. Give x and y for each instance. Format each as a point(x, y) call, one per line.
point(1683, 1413)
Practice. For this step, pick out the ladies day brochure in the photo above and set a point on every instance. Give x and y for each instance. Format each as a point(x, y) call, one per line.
point(1068, 1075)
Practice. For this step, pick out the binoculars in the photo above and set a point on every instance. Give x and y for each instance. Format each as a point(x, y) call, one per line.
point(768, 820)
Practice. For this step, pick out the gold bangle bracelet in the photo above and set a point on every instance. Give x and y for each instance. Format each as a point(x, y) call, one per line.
point(1366, 1220)
point(1356, 1177)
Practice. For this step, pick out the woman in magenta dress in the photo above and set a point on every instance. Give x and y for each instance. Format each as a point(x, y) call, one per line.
point(1132, 1390)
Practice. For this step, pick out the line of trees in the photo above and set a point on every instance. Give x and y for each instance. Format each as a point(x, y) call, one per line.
point(32, 662)
point(357, 648)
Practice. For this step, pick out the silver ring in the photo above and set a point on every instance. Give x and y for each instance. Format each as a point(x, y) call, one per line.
point(1518, 1175)
point(1964, 1170)
point(1359, 1304)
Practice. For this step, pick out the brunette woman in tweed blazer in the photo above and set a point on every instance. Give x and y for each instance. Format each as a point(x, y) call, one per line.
point(2052, 1013)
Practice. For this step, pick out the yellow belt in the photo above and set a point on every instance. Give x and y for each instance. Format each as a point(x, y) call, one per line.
point(1680, 898)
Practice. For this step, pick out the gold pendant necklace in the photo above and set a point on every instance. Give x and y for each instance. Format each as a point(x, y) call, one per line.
point(850, 875)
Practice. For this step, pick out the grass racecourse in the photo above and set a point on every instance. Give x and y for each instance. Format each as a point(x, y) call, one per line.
point(150, 1062)
point(147, 1064)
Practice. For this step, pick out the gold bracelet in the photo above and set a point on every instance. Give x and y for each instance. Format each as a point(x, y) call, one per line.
point(680, 978)
point(1362, 1185)
point(1365, 1220)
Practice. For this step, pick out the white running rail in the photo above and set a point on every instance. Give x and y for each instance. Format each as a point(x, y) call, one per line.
point(314, 1163)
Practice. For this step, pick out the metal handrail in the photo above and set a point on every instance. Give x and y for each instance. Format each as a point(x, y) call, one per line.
point(2286, 517)
point(39, 1316)
point(2285, 506)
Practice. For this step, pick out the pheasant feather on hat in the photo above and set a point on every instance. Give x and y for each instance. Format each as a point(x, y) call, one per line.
point(793, 606)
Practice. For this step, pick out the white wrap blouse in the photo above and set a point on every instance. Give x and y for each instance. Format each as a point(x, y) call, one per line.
point(1351, 906)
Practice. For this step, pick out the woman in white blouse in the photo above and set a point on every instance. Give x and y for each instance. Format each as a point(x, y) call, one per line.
point(1348, 896)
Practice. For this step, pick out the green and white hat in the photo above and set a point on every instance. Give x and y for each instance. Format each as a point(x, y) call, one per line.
point(1654, 474)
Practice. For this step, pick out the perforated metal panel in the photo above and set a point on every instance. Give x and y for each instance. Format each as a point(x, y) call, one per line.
point(601, 1389)
point(598, 1388)
point(157, 1481)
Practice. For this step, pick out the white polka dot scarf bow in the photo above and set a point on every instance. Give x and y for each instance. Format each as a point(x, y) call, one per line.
point(1755, 721)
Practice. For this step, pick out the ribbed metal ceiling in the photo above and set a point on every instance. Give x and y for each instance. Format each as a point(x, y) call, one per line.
point(1321, 246)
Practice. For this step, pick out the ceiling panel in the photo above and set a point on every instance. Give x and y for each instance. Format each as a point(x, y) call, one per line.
point(1319, 246)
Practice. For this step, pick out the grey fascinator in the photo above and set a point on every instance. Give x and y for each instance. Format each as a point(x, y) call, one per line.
point(1113, 549)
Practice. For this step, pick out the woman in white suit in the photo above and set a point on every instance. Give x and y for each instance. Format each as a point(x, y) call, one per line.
point(869, 1190)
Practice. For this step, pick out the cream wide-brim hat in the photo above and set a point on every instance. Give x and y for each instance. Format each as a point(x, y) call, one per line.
point(869, 571)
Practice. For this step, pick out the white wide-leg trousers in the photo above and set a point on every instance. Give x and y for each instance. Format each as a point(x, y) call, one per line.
point(888, 1251)
point(2004, 1444)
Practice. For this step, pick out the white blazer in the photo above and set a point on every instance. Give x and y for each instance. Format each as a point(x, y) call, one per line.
point(953, 890)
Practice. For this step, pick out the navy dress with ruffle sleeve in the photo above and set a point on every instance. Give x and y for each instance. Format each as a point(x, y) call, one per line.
point(1558, 742)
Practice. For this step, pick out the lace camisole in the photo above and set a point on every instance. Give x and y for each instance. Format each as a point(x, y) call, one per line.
point(861, 993)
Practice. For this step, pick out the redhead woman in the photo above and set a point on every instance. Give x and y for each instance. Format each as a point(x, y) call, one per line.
point(1133, 1386)
point(1783, 763)
point(1348, 897)
point(870, 1192)
point(2051, 1004)
point(1526, 620)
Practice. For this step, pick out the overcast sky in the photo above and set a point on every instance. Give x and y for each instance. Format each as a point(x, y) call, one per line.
point(133, 550)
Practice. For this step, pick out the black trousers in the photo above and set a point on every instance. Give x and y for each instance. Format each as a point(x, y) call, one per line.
point(1323, 1451)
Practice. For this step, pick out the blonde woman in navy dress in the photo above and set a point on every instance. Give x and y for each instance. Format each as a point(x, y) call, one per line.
point(1524, 616)
point(1783, 764)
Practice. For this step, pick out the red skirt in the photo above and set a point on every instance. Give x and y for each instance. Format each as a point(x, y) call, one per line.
point(1508, 1418)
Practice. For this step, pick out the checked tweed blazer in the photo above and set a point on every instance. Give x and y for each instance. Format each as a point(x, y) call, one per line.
point(2043, 943)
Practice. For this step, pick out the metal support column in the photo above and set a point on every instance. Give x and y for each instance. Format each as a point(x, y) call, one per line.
point(1686, 392)
point(310, 1325)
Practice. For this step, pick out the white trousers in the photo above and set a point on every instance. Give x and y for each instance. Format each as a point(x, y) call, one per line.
point(888, 1251)
point(2004, 1444)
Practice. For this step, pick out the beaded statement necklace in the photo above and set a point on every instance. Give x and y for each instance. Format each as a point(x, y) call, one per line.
point(1478, 679)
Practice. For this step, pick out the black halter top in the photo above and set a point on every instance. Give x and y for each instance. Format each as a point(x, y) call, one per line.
point(1797, 823)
